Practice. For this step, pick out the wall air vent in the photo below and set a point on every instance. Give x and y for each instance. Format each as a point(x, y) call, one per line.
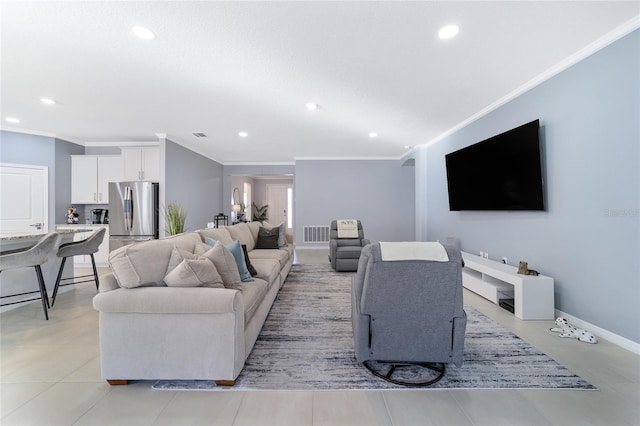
point(316, 234)
point(199, 135)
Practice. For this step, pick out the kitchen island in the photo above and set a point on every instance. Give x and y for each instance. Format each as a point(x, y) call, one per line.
point(21, 280)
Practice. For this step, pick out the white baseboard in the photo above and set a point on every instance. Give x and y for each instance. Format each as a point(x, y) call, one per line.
point(616, 339)
point(315, 247)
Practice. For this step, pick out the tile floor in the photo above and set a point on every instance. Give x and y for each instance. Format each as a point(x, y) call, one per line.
point(50, 375)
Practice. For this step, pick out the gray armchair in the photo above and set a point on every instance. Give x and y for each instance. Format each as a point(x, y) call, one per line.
point(408, 312)
point(344, 253)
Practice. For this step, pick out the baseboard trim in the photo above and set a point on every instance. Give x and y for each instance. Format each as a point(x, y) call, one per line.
point(320, 247)
point(616, 339)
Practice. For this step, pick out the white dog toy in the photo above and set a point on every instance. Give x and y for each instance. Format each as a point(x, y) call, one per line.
point(568, 330)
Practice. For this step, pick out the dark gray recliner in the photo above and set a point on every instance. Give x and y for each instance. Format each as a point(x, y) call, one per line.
point(344, 253)
point(408, 313)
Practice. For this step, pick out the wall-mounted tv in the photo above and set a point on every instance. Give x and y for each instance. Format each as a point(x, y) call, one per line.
point(503, 172)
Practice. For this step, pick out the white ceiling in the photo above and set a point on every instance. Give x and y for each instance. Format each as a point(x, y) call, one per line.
point(224, 67)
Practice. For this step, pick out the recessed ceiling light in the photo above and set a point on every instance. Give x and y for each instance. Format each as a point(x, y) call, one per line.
point(373, 135)
point(407, 147)
point(311, 106)
point(448, 31)
point(47, 101)
point(12, 120)
point(143, 33)
point(243, 134)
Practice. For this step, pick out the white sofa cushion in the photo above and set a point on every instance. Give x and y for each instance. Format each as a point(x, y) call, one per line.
point(169, 300)
point(282, 255)
point(218, 234)
point(242, 233)
point(145, 263)
point(267, 269)
point(252, 293)
point(254, 227)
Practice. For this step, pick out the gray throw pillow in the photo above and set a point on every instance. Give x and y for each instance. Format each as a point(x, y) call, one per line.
point(268, 238)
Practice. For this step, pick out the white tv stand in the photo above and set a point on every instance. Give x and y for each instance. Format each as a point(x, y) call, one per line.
point(533, 295)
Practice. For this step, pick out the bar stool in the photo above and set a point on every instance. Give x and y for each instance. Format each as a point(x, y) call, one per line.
point(77, 248)
point(35, 256)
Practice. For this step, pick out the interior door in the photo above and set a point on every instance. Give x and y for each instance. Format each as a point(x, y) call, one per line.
point(24, 199)
point(278, 199)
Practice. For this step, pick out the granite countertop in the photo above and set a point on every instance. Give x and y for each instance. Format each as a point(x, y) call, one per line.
point(81, 225)
point(26, 236)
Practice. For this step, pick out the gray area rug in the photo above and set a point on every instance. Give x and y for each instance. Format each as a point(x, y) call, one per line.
point(306, 343)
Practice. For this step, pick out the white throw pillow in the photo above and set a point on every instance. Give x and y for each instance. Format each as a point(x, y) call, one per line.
point(224, 261)
point(194, 273)
point(177, 256)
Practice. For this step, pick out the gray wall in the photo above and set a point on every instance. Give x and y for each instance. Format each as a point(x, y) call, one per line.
point(380, 193)
point(589, 237)
point(195, 182)
point(64, 151)
point(23, 148)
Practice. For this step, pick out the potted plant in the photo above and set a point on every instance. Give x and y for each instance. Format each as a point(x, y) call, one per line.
point(174, 216)
point(260, 213)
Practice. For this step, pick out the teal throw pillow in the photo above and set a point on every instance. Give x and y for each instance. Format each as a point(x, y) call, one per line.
point(236, 249)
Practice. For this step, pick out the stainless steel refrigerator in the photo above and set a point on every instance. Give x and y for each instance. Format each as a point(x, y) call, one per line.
point(133, 213)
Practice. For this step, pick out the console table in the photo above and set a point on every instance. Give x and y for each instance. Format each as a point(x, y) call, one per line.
point(533, 295)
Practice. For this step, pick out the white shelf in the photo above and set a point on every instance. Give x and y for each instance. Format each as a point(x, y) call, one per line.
point(533, 295)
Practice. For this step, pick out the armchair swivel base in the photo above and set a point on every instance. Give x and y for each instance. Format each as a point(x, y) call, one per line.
point(407, 314)
point(419, 373)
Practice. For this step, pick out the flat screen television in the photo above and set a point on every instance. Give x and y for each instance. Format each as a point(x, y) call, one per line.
point(503, 172)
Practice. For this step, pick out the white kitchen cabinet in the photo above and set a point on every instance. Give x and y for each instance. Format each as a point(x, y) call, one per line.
point(90, 177)
point(109, 170)
point(141, 163)
point(84, 179)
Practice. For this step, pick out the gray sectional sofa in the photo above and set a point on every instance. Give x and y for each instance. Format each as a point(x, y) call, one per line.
point(167, 313)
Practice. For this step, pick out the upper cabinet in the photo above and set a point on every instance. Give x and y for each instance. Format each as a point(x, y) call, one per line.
point(90, 177)
point(141, 163)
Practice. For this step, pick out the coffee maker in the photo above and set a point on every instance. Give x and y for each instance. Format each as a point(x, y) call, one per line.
point(99, 216)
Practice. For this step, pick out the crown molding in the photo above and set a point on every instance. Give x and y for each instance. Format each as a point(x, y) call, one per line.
point(604, 41)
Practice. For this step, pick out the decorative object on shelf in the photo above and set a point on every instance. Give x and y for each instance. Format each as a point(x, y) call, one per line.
point(72, 215)
point(523, 269)
point(219, 219)
point(238, 208)
point(174, 216)
point(260, 214)
point(568, 330)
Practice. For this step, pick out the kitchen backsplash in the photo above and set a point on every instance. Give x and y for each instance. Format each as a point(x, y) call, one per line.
point(84, 211)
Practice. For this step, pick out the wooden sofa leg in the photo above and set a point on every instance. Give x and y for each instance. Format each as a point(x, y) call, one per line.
point(225, 382)
point(117, 382)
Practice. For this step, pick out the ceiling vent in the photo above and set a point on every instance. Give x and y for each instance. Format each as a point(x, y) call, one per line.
point(199, 135)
